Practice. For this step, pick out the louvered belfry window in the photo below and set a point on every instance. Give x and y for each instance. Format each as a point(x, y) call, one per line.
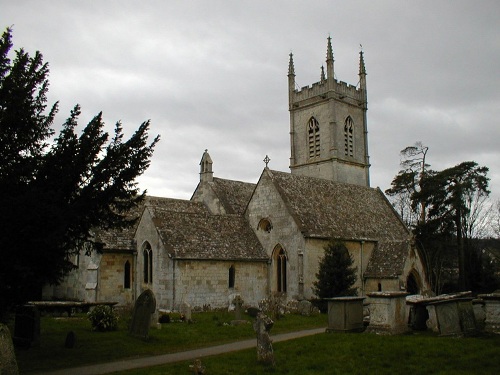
point(313, 138)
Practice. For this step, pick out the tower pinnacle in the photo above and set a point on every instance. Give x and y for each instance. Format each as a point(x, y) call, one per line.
point(329, 61)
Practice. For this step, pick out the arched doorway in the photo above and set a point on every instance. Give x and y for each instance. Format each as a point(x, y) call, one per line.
point(413, 283)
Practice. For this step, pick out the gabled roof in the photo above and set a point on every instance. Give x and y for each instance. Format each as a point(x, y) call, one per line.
point(202, 236)
point(233, 195)
point(120, 239)
point(387, 259)
point(326, 209)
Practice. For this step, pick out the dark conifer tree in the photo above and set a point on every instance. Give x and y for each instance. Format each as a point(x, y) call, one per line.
point(52, 193)
point(336, 275)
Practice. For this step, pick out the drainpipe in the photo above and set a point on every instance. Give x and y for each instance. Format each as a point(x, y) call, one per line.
point(173, 281)
point(361, 269)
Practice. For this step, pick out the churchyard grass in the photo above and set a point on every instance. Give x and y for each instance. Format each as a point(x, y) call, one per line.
point(361, 353)
point(208, 328)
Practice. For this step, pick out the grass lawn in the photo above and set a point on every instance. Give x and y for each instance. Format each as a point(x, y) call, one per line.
point(362, 353)
point(333, 353)
point(209, 328)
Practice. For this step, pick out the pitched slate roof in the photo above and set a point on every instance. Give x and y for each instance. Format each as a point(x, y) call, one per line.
point(325, 209)
point(233, 195)
point(120, 239)
point(202, 236)
point(387, 259)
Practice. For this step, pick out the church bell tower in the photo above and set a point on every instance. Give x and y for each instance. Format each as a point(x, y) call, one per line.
point(328, 130)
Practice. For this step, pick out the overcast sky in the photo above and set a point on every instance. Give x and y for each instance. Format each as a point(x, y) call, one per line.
point(213, 75)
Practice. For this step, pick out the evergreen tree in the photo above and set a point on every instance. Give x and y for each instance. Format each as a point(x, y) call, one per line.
point(336, 275)
point(53, 193)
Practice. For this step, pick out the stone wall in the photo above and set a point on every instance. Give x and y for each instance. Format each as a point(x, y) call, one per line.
point(202, 283)
point(112, 276)
point(267, 204)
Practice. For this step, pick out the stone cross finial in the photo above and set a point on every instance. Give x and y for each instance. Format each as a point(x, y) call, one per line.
point(266, 160)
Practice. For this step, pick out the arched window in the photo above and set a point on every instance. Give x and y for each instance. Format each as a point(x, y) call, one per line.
point(147, 254)
point(349, 136)
point(313, 137)
point(126, 275)
point(232, 274)
point(280, 263)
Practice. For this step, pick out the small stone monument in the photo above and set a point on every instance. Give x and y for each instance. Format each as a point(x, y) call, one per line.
point(144, 308)
point(27, 326)
point(238, 309)
point(197, 368)
point(185, 311)
point(262, 326)
point(8, 363)
point(304, 308)
point(70, 341)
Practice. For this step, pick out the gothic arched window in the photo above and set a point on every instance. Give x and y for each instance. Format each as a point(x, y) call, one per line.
point(126, 275)
point(313, 137)
point(280, 263)
point(349, 137)
point(147, 254)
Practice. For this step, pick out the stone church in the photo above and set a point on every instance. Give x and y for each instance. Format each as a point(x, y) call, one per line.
point(257, 239)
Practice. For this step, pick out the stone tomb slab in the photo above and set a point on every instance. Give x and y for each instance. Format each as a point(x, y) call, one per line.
point(345, 314)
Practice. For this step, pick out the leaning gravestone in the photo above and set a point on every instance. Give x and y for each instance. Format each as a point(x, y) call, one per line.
point(262, 326)
point(8, 363)
point(27, 326)
point(144, 307)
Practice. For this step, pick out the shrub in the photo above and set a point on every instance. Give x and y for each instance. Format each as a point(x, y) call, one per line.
point(103, 318)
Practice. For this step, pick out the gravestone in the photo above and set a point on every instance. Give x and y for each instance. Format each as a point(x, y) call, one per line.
point(70, 341)
point(304, 308)
point(262, 326)
point(197, 368)
point(144, 308)
point(185, 311)
point(27, 326)
point(238, 307)
point(8, 363)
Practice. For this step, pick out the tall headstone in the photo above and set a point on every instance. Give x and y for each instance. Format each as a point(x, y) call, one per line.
point(144, 308)
point(262, 326)
point(27, 326)
point(8, 363)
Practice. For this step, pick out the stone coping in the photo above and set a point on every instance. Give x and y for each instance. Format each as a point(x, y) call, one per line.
point(418, 299)
point(388, 294)
point(345, 299)
point(462, 299)
point(490, 296)
point(69, 303)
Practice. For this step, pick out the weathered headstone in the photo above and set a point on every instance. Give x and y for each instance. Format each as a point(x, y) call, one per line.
point(144, 307)
point(70, 341)
point(185, 311)
point(197, 368)
point(8, 363)
point(27, 326)
point(304, 308)
point(262, 326)
point(238, 307)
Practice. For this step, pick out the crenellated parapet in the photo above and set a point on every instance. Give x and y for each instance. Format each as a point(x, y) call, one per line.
point(325, 90)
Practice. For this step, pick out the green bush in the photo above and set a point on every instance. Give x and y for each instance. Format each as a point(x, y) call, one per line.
point(103, 318)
